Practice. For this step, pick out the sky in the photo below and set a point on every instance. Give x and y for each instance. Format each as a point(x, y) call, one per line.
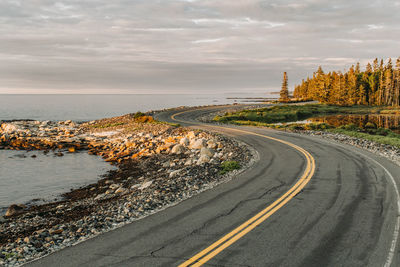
point(186, 46)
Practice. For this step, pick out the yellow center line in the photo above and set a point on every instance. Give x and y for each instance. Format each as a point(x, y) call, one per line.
point(230, 238)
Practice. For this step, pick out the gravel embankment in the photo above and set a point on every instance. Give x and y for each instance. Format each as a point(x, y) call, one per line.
point(390, 152)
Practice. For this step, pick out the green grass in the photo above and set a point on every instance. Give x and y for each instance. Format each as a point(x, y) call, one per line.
point(268, 117)
point(291, 113)
point(228, 166)
point(392, 138)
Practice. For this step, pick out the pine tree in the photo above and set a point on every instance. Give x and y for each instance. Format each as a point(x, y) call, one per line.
point(284, 94)
point(368, 69)
point(379, 84)
point(376, 68)
point(396, 101)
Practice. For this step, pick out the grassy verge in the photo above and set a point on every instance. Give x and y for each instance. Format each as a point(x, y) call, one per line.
point(392, 139)
point(291, 113)
point(269, 117)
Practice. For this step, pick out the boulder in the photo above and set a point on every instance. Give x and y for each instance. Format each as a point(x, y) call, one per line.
point(15, 209)
point(207, 151)
point(191, 135)
point(178, 149)
point(212, 144)
point(9, 128)
point(203, 159)
point(184, 141)
point(197, 143)
point(189, 162)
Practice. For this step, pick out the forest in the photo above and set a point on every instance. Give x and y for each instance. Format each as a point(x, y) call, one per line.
point(377, 85)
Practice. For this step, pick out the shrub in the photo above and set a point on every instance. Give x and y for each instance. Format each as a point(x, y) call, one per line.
point(295, 126)
point(144, 119)
point(138, 115)
point(228, 166)
point(370, 125)
point(349, 127)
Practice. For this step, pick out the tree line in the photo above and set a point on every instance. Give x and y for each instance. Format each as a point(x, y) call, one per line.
point(378, 84)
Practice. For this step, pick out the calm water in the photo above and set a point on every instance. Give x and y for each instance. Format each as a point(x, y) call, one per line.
point(90, 107)
point(23, 178)
point(380, 120)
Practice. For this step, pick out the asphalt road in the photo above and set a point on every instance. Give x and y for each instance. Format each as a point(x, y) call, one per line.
point(346, 215)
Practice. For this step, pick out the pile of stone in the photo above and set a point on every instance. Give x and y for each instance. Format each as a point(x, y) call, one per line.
point(42, 135)
point(158, 165)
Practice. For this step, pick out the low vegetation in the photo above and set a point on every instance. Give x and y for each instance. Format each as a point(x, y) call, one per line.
point(228, 166)
point(292, 113)
point(290, 117)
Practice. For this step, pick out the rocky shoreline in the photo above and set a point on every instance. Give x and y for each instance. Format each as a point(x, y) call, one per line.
point(158, 165)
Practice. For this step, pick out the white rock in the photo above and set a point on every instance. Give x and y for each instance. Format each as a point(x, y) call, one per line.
point(9, 127)
point(120, 190)
point(178, 149)
point(184, 141)
point(114, 186)
point(191, 135)
point(44, 123)
point(145, 185)
point(197, 143)
point(189, 162)
point(174, 173)
point(136, 186)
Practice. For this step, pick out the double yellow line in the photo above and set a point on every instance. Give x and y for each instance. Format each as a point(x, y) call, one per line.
point(230, 238)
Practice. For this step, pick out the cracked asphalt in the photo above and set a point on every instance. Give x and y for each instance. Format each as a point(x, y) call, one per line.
point(345, 216)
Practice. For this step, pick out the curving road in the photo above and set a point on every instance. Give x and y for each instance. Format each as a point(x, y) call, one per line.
point(342, 211)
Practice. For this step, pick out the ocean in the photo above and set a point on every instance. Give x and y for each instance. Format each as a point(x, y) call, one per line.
point(91, 107)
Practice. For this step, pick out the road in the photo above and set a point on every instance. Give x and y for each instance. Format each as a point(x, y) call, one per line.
point(345, 212)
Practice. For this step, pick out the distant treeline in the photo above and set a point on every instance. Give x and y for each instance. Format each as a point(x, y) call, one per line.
point(379, 84)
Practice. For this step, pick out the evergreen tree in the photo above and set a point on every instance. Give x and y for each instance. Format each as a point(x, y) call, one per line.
point(379, 84)
point(284, 94)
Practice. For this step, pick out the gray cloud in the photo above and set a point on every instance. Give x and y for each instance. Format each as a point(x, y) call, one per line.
point(186, 45)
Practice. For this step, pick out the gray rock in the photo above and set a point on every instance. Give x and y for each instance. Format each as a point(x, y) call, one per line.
point(207, 151)
point(203, 159)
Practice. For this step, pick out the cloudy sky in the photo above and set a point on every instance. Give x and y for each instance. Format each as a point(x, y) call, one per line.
point(186, 46)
